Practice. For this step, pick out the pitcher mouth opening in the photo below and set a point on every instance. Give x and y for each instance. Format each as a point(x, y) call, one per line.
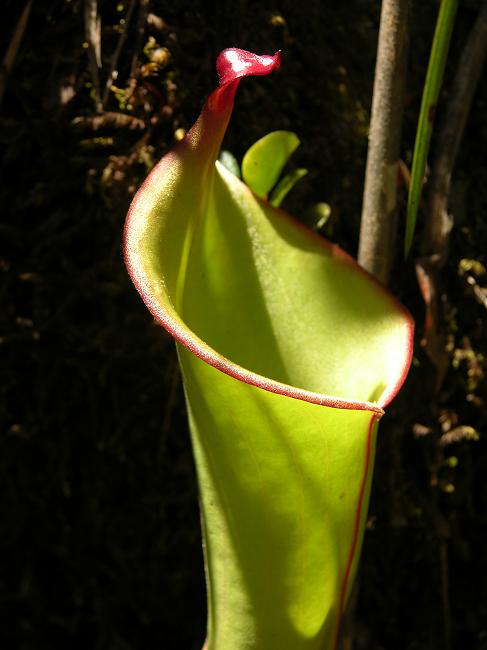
point(186, 337)
point(232, 66)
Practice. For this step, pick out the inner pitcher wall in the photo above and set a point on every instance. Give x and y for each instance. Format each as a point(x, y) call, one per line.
point(250, 293)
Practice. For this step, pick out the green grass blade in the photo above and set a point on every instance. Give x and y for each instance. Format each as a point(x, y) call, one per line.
point(434, 78)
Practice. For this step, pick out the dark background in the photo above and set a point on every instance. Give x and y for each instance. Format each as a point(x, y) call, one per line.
point(99, 532)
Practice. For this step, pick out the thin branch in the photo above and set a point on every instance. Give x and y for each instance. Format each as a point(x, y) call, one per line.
point(139, 36)
point(377, 232)
point(116, 55)
point(13, 47)
point(93, 39)
point(439, 223)
point(142, 19)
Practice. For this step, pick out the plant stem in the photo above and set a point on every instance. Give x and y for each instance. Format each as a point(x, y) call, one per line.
point(93, 38)
point(112, 75)
point(139, 37)
point(438, 223)
point(378, 224)
point(13, 46)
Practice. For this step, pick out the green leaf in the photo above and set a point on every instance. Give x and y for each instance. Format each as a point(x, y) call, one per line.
point(289, 352)
point(263, 163)
point(317, 215)
point(434, 79)
point(285, 185)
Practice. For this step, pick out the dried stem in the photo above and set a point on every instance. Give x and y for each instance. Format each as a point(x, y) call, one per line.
point(12, 49)
point(139, 36)
point(435, 242)
point(116, 55)
point(93, 39)
point(378, 225)
point(438, 224)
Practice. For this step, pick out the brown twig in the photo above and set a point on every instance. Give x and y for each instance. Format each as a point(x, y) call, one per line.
point(438, 222)
point(139, 35)
point(434, 250)
point(13, 47)
point(109, 119)
point(142, 19)
point(93, 39)
point(116, 55)
point(377, 232)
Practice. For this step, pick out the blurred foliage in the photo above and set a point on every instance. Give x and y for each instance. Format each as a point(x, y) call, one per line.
point(100, 544)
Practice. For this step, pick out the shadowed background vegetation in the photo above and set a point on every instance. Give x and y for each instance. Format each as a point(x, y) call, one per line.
point(100, 543)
